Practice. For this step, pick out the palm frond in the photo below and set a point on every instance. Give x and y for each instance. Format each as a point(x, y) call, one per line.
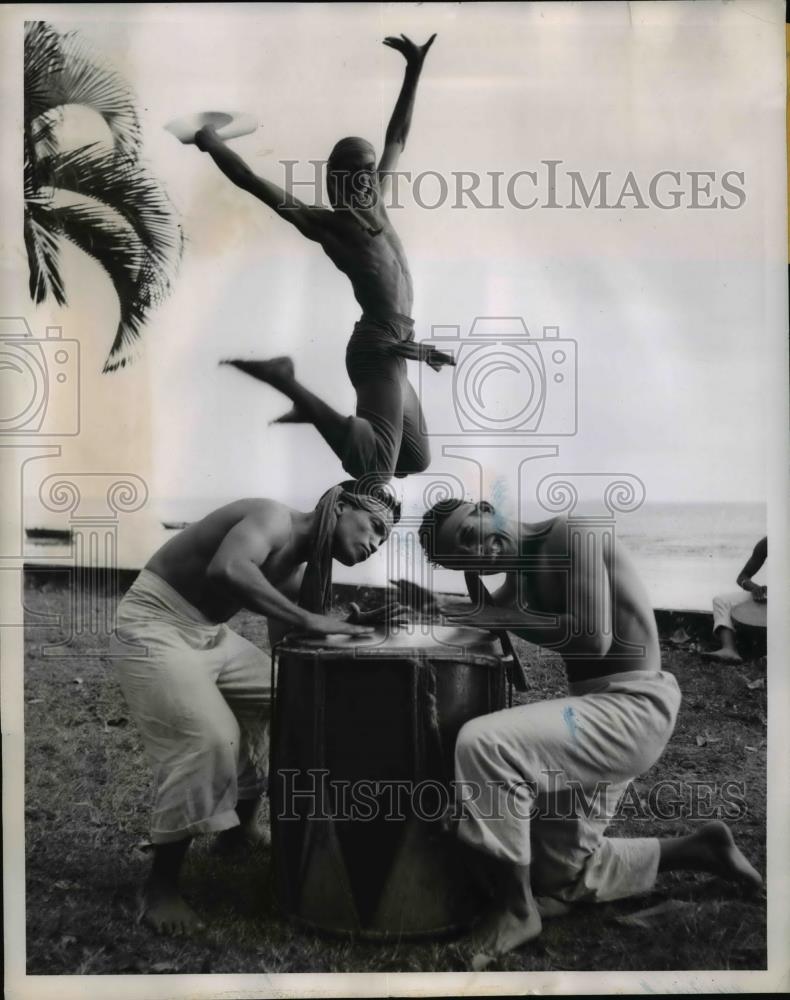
point(120, 252)
point(43, 56)
point(41, 243)
point(85, 80)
point(42, 133)
point(126, 187)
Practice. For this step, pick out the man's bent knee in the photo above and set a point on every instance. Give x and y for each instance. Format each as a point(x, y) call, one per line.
point(368, 450)
point(473, 742)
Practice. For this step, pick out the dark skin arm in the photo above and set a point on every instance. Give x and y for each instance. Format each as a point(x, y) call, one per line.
point(312, 223)
point(400, 122)
point(236, 566)
point(753, 565)
point(585, 629)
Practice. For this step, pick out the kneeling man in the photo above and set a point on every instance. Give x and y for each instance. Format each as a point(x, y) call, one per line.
point(197, 690)
point(525, 770)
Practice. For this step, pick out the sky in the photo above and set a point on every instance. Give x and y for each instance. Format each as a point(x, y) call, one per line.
point(671, 314)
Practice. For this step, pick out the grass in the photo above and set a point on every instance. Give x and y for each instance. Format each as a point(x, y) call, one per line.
point(88, 788)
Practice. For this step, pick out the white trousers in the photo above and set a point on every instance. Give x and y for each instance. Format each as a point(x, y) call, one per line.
point(722, 608)
point(550, 775)
point(200, 695)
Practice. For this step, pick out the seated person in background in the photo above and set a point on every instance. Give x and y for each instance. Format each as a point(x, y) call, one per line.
point(198, 691)
point(723, 604)
point(522, 771)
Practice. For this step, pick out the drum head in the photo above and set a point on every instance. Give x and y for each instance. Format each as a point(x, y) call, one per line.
point(750, 613)
point(406, 643)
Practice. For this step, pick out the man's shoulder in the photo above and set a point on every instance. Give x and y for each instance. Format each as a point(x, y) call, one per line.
point(561, 533)
point(268, 513)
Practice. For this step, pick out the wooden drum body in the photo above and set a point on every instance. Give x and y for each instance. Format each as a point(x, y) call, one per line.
point(363, 739)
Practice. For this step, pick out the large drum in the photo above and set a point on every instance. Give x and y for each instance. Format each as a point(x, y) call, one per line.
point(363, 738)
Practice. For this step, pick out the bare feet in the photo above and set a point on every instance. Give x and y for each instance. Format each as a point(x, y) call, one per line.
point(166, 911)
point(277, 372)
point(723, 656)
point(726, 858)
point(500, 932)
point(712, 849)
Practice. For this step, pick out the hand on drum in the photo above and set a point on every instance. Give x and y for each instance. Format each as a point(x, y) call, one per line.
point(392, 613)
point(414, 596)
point(492, 617)
point(327, 625)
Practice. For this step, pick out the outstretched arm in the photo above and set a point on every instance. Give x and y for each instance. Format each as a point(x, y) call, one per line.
point(584, 630)
point(400, 122)
point(311, 222)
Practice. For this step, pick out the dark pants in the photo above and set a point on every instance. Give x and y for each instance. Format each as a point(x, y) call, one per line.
point(386, 437)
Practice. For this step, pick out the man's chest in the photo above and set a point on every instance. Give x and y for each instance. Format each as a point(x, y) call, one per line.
point(280, 571)
point(543, 587)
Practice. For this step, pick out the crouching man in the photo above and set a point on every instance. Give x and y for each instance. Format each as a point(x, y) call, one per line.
point(197, 690)
point(523, 769)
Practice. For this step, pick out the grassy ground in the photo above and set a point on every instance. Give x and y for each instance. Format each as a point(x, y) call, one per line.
point(88, 789)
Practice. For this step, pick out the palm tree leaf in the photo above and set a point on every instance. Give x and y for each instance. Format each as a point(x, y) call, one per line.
point(42, 133)
point(43, 65)
point(43, 62)
point(122, 255)
point(41, 243)
point(126, 187)
point(85, 80)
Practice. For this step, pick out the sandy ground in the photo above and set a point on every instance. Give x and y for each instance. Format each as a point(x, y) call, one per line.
point(88, 788)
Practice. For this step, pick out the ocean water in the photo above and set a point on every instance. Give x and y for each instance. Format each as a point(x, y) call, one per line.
point(686, 553)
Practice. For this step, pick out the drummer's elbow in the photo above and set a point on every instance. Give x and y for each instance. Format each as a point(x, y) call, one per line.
point(596, 644)
point(219, 572)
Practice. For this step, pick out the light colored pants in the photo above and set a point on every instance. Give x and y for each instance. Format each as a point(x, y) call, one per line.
point(538, 766)
point(200, 695)
point(722, 608)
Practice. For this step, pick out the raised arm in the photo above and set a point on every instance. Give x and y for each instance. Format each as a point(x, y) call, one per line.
point(400, 122)
point(237, 566)
point(311, 222)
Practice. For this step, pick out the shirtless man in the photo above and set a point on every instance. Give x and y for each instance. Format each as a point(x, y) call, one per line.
point(386, 437)
point(723, 628)
point(199, 692)
point(525, 766)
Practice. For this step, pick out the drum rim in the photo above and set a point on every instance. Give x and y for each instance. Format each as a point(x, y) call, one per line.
point(485, 647)
point(460, 655)
point(493, 660)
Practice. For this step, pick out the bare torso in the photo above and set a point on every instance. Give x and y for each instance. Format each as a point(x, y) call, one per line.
point(634, 634)
point(375, 265)
point(183, 561)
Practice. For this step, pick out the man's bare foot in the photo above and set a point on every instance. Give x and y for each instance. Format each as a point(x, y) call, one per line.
point(277, 372)
point(722, 656)
point(719, 854)
point(293, 416)
point(166, 911)
point(500, 932)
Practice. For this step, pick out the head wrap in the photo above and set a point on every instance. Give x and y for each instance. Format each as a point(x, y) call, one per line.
point(316, 592)
point(350, 151)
